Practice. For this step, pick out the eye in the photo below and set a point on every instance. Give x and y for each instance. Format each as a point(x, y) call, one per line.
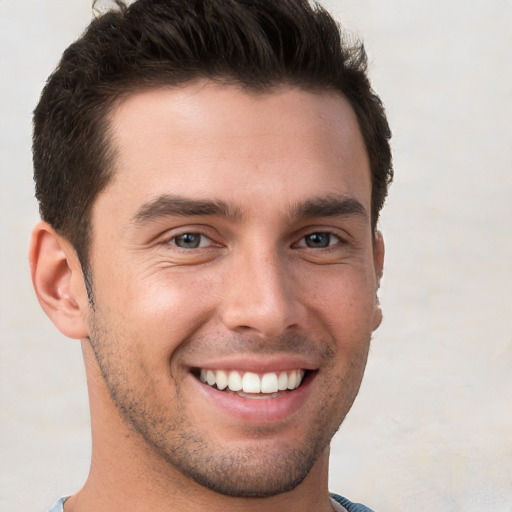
point(190, 241)
point(319, 240)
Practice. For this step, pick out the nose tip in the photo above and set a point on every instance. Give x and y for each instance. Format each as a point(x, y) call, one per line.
point(257, 319)
point(260, 299)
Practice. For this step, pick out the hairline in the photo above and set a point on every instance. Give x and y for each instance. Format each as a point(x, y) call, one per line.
point(130, 89)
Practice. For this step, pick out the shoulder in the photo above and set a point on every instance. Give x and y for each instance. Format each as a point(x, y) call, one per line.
point(351, 507)
point(59, 506)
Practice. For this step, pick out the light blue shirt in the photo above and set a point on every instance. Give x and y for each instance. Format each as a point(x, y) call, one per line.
point(59, 506)
point(351, 507)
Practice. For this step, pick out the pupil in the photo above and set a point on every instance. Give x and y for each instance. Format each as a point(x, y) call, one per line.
point(188, 241)
point(318, 240)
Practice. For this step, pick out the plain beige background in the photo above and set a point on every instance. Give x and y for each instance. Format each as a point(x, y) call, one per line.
point(432, 427)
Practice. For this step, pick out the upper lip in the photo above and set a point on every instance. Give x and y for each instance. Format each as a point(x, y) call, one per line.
point(257, 363)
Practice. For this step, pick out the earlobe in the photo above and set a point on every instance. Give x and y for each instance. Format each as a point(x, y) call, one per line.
point(58, 281)
point(377, 315)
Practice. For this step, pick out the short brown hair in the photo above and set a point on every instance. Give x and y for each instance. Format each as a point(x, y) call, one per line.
point(256, 44)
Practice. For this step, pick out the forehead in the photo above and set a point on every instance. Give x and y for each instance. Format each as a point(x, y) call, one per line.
point(209, 140)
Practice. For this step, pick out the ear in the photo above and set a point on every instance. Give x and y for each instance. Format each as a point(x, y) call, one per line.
point(58, 281)
point(378, 261)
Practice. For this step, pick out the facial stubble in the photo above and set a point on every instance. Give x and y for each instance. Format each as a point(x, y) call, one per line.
point(261, 468)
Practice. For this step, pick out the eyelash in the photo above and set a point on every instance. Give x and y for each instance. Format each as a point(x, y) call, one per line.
point(301, 243)
point(202, 237)
point(337, 239)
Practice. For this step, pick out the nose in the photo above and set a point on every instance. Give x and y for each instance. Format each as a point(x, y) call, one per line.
point(260, 295)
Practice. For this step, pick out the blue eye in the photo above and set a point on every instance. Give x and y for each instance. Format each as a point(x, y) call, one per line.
point(189, 240)
point(320, 240)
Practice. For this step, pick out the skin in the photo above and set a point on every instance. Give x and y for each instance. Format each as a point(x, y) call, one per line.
point(289, 169)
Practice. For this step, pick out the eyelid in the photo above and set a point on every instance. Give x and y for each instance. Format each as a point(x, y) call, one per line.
point(202, 239)
point(301, 242)
point(171, 254)
point(204, 231)
point(342, 236)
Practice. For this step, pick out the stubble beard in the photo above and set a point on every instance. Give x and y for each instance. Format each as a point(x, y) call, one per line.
point(237, 472)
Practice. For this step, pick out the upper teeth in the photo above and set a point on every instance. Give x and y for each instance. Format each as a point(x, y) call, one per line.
point(250, 382)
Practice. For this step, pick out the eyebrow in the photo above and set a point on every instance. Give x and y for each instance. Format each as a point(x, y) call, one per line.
point(167, 205)
point(330, 206)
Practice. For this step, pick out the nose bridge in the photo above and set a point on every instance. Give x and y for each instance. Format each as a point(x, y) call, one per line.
point(260, 293)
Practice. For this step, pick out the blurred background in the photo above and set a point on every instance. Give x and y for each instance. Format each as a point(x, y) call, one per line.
point(432, 427)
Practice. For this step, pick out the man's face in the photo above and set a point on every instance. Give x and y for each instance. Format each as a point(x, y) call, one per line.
point(234, 246)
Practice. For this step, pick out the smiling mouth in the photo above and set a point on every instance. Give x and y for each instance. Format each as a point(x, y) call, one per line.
point(252, 385)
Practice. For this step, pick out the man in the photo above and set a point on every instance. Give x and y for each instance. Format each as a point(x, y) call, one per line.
point(210, 176)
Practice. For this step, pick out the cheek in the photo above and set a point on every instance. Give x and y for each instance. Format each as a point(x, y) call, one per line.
point(346, 304)
point(162, 312)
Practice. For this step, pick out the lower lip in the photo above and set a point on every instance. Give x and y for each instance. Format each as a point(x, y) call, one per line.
point(254, 410)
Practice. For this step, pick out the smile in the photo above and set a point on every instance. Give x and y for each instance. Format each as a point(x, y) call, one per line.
point(253, 385)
